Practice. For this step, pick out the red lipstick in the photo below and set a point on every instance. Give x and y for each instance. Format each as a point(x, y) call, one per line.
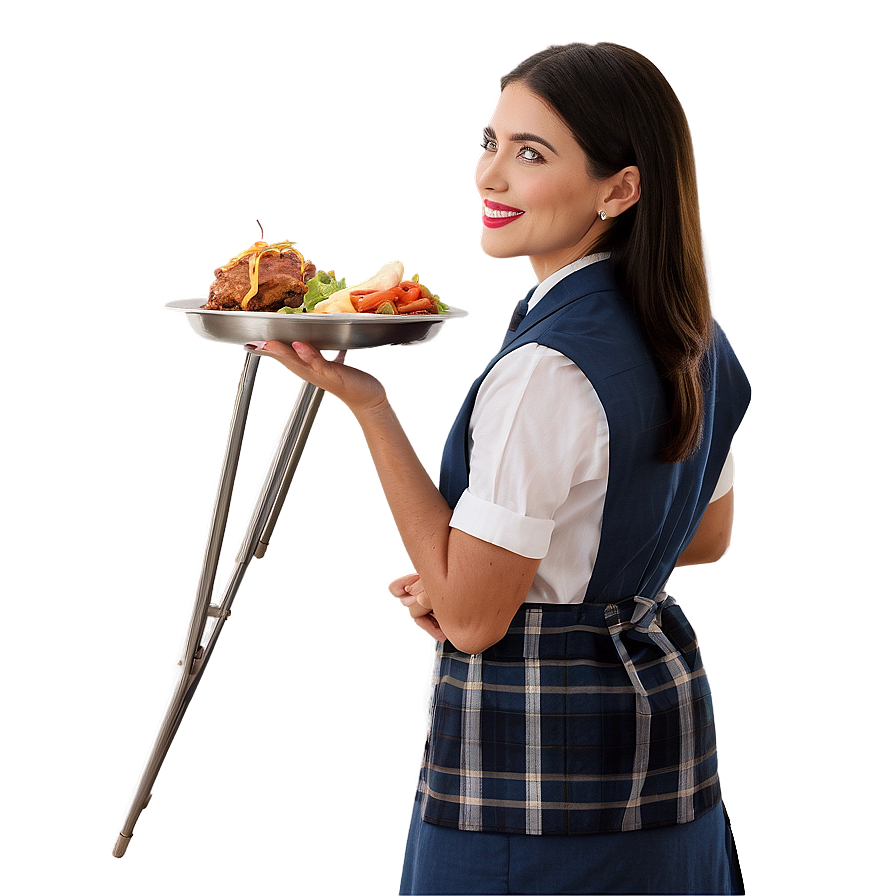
point(496, 214)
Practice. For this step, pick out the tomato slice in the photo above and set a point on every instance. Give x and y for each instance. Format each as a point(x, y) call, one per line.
point(409, 292)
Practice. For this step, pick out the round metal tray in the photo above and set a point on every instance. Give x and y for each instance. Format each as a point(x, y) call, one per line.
point(323, 331)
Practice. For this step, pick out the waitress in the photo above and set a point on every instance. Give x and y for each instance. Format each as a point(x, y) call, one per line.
point(571, 746)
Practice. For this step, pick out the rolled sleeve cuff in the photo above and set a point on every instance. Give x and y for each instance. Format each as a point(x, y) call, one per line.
point(524, 535)
point(726, 479)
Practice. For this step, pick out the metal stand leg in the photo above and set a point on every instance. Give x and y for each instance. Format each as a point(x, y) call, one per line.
point(208, 619)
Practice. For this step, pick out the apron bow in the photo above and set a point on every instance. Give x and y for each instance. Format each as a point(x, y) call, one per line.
point(645, 617)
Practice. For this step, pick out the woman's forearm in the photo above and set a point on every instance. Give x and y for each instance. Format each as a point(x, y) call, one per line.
point(420, 512)
point(474, 587)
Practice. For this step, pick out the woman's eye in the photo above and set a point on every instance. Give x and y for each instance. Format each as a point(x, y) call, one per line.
point(489, 145)
point(530, 155)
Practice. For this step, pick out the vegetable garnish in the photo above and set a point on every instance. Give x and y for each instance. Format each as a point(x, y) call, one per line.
point(441, 307)
point(255, 253)
point(321, 286)
point(340, 302)
point(406, 298)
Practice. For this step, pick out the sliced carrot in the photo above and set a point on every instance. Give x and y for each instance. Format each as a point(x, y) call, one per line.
point(372, 300)
point(423, 304)
point(356, 295)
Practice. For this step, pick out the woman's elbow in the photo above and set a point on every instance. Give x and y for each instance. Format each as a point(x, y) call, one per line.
point(711, 552)
point(705, 549)
point(717, 548)
point(713, 535)
point(473, 639)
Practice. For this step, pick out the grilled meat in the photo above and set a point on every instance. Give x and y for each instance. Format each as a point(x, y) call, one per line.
point(282, 281)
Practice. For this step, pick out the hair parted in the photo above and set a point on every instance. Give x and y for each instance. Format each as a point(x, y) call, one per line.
point(623, 112)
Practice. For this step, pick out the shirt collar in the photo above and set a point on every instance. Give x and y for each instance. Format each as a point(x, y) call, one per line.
point(549, 282)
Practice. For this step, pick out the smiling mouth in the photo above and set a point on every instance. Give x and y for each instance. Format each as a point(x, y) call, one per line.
point(494, 214)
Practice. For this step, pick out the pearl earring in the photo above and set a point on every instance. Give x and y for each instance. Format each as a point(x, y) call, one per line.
point(603, 215)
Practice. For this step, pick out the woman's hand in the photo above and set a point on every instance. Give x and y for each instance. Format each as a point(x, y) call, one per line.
point(359, 390)
point(409, 590)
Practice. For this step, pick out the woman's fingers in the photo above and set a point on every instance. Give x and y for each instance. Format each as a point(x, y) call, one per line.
point(399, 587)
point(427, 621)
point(300, 357)
point(409, 592)
point(431, 627)
point(306, 361)
point(416, 587)
point(416, 610)
point(359, 390)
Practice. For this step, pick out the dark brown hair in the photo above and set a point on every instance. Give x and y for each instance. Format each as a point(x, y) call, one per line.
point(623, 112)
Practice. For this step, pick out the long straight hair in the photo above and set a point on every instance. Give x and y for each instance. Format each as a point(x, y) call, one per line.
point(623, 112)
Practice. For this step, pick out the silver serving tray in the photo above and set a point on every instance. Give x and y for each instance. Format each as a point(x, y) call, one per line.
point(323, 331)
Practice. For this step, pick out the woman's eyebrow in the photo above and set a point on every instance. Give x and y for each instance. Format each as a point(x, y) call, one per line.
point(521, 137)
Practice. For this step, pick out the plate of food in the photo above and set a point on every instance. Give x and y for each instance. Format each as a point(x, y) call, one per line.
point(272, 292)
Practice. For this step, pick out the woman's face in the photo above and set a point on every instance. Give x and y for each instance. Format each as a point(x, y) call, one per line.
point(538, 197)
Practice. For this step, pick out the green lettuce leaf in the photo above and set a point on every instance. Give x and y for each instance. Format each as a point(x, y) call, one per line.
point(321, 287)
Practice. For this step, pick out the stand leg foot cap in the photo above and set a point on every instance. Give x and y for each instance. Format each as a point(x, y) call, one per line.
point(121, 844)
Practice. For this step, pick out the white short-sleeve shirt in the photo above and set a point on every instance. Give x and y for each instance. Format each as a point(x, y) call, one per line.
point(537, 482)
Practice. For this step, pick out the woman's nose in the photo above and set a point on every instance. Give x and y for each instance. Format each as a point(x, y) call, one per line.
point(490, 174)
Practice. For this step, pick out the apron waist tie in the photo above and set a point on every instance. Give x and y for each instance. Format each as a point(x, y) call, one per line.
point(646, 616)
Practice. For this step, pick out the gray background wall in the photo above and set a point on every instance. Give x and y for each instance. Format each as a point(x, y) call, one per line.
point(141, 146)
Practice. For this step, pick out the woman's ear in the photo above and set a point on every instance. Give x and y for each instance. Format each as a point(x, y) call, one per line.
point(622, 191)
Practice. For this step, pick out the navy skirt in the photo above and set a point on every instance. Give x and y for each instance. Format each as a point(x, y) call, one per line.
point(698, 857)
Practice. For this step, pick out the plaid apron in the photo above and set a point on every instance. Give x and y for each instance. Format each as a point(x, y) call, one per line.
point(592, 717)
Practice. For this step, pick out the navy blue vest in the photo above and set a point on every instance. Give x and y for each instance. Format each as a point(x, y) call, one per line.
point(592, 717)
point(652, 509)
